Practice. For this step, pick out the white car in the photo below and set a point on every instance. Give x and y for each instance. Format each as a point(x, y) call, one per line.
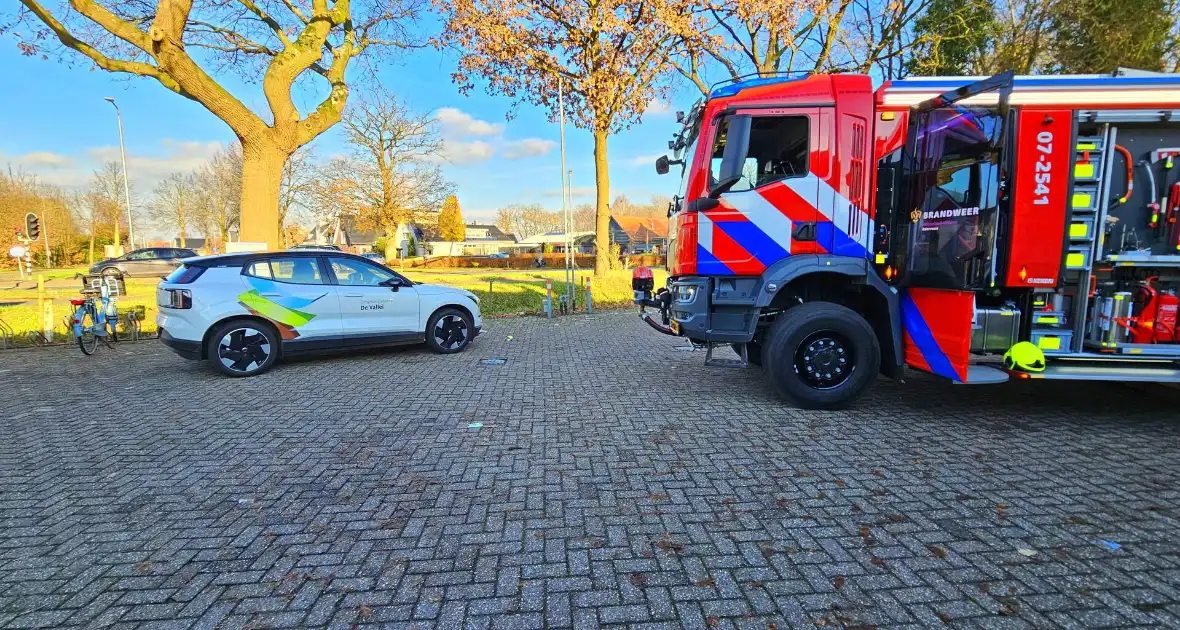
point(243, 311)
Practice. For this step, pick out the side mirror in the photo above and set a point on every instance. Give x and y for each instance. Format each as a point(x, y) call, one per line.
point(393, 283)
point(733, 158)
point(662, 164)
point(702, 204)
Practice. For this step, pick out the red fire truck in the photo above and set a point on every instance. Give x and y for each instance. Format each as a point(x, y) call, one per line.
point(829, 232)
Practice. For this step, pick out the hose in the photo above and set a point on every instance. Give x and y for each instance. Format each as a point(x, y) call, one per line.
point(657, 326)
point(1130, 172)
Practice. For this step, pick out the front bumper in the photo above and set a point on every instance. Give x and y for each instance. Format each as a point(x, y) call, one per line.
point(187, 349)
point(721, 310)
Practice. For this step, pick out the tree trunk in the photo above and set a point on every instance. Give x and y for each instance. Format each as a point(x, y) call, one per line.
point(90, 260)
point(262, 176)
point(602, 206)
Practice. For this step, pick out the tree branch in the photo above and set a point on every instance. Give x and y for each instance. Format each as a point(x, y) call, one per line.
point(268, 20)
point(126, 66)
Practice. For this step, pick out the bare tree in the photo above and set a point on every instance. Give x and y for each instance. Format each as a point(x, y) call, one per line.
point(109, 195)
point(299, 175)
point(508, 220)
point(219, 186)
point(175, 203)
point(762, 37)
point(180, 43)
point(388, 181)
point(611, 57)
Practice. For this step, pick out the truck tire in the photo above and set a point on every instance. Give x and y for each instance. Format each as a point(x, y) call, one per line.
point(820, 355)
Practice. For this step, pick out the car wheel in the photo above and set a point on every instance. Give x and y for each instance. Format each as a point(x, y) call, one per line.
point(449, 330)
point(820, 355)
point(243, 348)
point(111, 271)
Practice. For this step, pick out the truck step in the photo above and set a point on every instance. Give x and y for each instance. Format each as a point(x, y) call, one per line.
point(984, 375)
point(1126, 371)
point(710, 361)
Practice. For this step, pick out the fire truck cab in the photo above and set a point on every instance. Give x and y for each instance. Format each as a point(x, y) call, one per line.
point(830, 232)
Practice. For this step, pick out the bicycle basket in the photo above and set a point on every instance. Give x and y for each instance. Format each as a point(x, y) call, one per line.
point(115, 284)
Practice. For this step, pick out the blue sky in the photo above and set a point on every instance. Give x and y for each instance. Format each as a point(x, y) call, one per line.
point(58, 126)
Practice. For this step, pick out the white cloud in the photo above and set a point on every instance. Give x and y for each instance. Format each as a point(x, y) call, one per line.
point(462, 153)
point(528, 147)
point(43, 159)
point(657, 107)
point(458, 123)
point(145, 169)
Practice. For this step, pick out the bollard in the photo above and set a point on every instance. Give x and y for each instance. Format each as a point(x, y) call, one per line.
point(490, 281)
point(45, 308)
point(549, 298)
point(589, 301)
point(47, 320)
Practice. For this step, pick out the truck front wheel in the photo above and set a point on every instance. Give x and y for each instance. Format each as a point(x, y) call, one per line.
point(820, 355)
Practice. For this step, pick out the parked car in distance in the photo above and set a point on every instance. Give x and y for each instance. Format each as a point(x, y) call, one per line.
point(375, 257)
point(244, 311)
point(498, 255)
point(301, 246)
point(148, 262)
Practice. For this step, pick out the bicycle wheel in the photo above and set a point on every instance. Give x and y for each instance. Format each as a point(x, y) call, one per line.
point(87, 340)
point(112, 334)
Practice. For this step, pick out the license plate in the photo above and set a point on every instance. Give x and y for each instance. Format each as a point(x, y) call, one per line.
point(676, 327)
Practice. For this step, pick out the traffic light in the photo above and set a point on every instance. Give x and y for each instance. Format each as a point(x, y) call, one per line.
point(32, 226)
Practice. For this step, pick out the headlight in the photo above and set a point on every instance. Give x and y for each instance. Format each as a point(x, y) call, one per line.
point(686, 293)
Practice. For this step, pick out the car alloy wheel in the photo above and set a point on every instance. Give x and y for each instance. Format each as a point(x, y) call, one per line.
point(243, 350)
point(450, 331)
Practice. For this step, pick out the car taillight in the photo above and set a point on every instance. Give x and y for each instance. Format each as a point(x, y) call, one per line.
point(187, 275)
point(180, 298)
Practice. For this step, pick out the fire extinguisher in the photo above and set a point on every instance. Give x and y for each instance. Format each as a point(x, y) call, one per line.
point(1155, 314)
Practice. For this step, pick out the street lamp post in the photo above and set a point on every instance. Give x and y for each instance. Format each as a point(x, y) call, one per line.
point(126, 186)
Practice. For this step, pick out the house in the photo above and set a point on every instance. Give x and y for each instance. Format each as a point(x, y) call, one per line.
point(345, 233)
point(555, 242)
point(482, 232)
point(479, 240)
point(643, 234)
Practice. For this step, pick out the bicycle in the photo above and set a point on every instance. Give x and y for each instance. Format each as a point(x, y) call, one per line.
point(91, 322)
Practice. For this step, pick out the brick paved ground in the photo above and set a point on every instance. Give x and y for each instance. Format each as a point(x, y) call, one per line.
point(142, 490)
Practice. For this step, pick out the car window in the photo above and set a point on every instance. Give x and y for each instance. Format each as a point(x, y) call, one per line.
point(353, 272)
point(143, 254)
point(779, 148)
point(293, 270)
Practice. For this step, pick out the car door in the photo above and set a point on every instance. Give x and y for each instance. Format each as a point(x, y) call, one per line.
point(771, 210)
point(955, 173)
point(294, 294)
point(165, 261)
point(139, 262)
point(376, 304)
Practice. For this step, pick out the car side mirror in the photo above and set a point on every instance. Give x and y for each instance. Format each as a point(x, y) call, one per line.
point(393, 283)
point(662, 165)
